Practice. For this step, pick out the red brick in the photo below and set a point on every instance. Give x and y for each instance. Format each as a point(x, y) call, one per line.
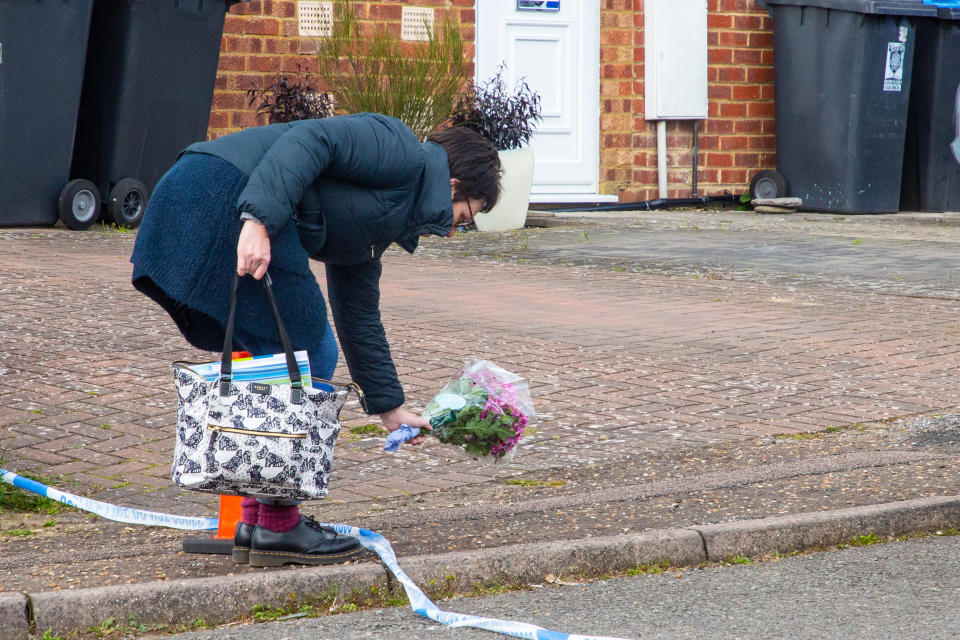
point(733, 176)
point(236, 44)
point(748, 22)
point(720, 92)
point(232, 63)
point(386, 12)
point(719, 160)
point(746, 92)
point(747, 56)
point(616, 37)
point(719, 56)
point(757, 109)
point(733, 39)
point(719, 21)
point(729, 143)
point(265, 64)
point(748, 125)
point(731, 74)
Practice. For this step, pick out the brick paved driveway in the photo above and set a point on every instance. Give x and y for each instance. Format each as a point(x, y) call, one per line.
point(620, 362)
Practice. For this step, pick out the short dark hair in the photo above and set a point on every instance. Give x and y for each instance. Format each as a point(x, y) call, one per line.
point(474, 162)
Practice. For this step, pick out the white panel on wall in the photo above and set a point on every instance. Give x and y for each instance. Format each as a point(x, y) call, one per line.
point(416, 24)
point(315, 18)
point(675, 59)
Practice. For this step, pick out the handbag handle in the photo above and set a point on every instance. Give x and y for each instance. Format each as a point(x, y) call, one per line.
point(226, 359)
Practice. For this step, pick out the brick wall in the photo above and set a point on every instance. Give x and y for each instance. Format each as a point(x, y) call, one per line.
point(261, 38)
point(738, 139)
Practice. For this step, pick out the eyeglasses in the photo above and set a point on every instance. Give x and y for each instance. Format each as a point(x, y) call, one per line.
point(471, 222)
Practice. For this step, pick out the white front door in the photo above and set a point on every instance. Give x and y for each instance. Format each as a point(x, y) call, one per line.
point(558, 54)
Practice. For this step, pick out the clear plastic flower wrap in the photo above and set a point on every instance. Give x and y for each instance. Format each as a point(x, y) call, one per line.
point(484, 410)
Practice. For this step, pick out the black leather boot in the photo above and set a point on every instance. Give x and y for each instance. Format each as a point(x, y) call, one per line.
point(241, 543)
point(307, 543)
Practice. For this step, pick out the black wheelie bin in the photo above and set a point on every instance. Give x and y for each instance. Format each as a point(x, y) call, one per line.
point(147, 92)
point(842, 74)
point(931, 176)
point(43, 47)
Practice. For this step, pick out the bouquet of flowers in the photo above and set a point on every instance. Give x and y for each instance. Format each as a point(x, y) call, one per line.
point(483, 410)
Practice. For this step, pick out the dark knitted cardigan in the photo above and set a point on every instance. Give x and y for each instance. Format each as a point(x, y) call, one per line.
point(341, 190)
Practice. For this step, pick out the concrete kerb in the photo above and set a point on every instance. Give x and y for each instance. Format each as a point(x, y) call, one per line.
point(817, 530)
point(224, 599)
point(14, 616)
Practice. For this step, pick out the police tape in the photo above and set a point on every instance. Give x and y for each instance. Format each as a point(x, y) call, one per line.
point(110, 511)
point(422, 605)
point(371, 540)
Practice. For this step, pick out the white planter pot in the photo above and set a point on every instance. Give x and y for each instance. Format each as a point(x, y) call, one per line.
point(511, 210)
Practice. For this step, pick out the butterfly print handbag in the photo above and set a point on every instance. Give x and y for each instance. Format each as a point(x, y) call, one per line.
point(254, 438)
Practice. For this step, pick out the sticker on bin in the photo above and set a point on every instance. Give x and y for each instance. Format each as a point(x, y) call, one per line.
point(893, 76)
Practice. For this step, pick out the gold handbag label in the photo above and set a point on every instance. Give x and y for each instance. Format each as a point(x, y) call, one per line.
point(261, 388)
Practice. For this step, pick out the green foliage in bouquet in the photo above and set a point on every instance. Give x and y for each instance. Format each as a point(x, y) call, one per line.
point(471, 427)
point(477, 435)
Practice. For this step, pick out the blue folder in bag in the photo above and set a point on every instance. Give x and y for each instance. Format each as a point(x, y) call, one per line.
point(271, 369)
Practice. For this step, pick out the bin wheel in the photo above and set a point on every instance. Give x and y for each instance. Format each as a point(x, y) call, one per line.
point(78, 205)
point(767, 185)
point(128, 199)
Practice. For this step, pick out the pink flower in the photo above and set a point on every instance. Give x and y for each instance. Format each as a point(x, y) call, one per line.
point(500, 406)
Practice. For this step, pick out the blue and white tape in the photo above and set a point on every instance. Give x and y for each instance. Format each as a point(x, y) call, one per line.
point(110, 511)
point(371, 540)
point(421, 604)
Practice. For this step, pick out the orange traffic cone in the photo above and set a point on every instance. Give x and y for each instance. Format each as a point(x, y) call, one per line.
point(229, 517)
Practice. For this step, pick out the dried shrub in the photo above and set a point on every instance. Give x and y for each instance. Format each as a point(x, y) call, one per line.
point(507, 118)
point(289, 99)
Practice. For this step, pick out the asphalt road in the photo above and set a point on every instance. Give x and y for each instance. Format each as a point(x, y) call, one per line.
point(900, 590)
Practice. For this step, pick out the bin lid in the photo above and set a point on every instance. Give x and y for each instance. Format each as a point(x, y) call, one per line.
point(946, 9)
point(880, 7)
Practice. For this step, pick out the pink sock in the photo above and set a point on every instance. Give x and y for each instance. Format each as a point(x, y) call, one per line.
point(249, 511)
point(278, 518)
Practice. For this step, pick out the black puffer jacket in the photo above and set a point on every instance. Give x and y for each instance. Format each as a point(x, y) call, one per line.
point(352, 185)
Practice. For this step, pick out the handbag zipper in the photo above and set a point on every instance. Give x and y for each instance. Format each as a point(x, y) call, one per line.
point(250, 432)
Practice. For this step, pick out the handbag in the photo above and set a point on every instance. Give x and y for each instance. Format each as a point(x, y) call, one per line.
point(251, 438)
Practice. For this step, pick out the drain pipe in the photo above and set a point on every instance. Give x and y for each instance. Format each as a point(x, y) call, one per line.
point(651, 205)
point(696, 155)
point(662, 157)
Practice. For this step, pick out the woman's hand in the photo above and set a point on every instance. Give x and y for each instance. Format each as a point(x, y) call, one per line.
point(395, 417)
point(253, 250)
